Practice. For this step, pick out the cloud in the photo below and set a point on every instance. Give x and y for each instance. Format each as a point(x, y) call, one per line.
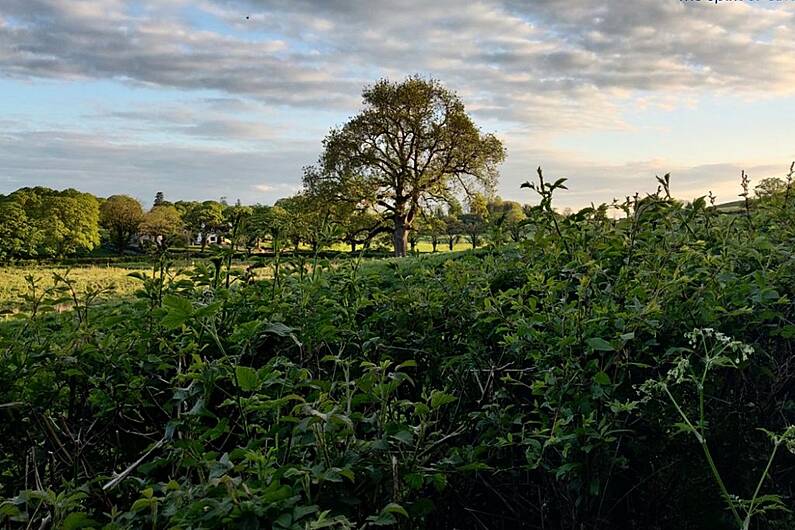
point(543, 68)
point(106, 165)
point(537, 62)
point(102, 40)
point(281, 187)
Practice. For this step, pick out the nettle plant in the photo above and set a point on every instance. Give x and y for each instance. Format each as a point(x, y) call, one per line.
point(710, 350)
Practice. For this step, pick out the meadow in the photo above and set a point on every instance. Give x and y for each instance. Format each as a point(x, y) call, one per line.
point(601, 373)
point(14, 283)
point(114, 278)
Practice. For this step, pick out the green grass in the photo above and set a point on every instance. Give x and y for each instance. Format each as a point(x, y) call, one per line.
point(14, 284)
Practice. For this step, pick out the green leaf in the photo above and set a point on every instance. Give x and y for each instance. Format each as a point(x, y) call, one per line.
point(282, 330)
point(141, 504)
point(78, 520)
point(246, 378)
point(439, 481)
point(393, 507)
point(178, 311)
point(600, 344)
point(601, 378)
point(403, 436)
point(439, 399)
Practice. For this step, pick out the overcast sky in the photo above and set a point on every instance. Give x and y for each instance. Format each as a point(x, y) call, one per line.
point(210, 98)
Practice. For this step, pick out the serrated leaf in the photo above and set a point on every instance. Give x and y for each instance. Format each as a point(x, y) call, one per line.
point(439, 399)
point(178, 311)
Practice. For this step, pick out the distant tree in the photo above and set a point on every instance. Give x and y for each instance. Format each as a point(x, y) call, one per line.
point(307, 218)
point(452, 222)
point(473, 223)
point(415, 233)
point(65, 222)
point(772, 187)
point(356, 221)
point(434, 226)
point(279, 226)
point(203, 218)
point(258, 226)
point(69, 222)
point(18, 237)
point(163, 224)
point(505, 219)
point(121, 216)
point(473, 227)
point(358, 226)
point(237, 218)
point(183, 207)
point(413, 140)
point(159, 199)
point(453, 228)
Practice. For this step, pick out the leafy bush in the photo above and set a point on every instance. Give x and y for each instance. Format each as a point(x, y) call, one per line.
point(488, 389)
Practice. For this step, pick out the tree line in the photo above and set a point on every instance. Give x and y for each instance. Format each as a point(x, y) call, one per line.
point(44, 223)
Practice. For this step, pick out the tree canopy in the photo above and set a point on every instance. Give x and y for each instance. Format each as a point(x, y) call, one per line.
point(413, 142)
point(121, 215)
point(52, 223)
point(163, 224)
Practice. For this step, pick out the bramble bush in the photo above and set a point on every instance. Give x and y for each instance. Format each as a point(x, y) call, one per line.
point(555, 383)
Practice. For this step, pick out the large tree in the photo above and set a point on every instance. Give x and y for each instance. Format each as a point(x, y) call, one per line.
point(18, 237)
point(163, 224)
point(121, 216)
point(65, 222)
point(204, 218)
point(413, 142)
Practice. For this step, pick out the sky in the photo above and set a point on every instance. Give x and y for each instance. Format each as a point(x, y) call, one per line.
point(204, 99)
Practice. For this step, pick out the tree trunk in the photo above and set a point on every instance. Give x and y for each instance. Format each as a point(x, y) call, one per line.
point(400, 237)
point(353, 247)
point(450, 243)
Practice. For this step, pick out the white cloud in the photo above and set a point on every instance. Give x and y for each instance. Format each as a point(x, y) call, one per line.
point(543, 67)
point(280, 187)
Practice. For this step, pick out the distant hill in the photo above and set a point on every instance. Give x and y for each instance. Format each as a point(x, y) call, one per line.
point(731, 207)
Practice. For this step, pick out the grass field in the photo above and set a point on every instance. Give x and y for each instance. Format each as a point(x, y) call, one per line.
point(14, 280)
point(115, 278)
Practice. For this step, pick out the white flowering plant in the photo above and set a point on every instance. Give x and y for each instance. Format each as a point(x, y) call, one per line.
point(707, 350)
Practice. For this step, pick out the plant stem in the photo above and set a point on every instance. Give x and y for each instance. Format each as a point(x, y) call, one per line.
point(702, 440)
point(759, 486)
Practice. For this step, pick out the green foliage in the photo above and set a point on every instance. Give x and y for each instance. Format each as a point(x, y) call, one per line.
point(121, 216)
point(412, 141)
point(162, 224)
point(48, 223)
point(496, 388)
point(18, 236)
point(204, 218)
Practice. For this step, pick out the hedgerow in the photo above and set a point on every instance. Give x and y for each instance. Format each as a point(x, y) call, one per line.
point(633, 372)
